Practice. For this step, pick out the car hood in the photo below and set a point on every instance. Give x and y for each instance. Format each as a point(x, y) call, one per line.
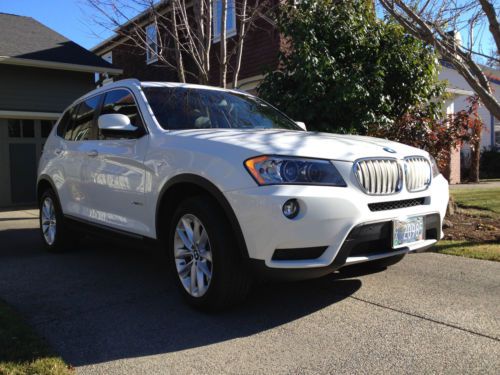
point(304, 144)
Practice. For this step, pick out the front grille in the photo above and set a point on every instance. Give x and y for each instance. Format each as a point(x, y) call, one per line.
point(418, 173)
point(394, 205)
point(378, 176)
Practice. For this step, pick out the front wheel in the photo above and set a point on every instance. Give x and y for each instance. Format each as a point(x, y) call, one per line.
point(206, 263)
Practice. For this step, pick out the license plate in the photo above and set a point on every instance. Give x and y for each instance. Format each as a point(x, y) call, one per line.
point(407, 230)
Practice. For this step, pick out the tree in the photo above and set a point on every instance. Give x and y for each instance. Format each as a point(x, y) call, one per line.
point(432, 21)
point(438, 136)
point(345, 70)
point(185, 31)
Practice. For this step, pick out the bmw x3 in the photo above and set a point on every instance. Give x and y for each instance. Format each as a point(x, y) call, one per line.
point(232, 188)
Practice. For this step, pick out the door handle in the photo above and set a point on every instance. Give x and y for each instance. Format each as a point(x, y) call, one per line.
point(58, 151)
point(92, 153)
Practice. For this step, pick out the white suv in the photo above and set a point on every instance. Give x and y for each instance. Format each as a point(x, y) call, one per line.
point(232, 187)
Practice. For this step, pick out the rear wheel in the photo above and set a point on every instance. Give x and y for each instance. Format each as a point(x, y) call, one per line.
point(56, 236)
point(206, 263)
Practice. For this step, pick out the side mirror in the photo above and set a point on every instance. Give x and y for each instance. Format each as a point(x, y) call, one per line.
point(115, 122)
point(301, 125)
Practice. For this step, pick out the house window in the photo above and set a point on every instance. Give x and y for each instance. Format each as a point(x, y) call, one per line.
point(151, 43)
point(230, 19)
point(46, 126)
point(21, 128)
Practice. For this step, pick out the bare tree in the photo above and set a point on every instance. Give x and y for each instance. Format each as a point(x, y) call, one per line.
point(432, 20)
point(223, 45)
point(184, 28)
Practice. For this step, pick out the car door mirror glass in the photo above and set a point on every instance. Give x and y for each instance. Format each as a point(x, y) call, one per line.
point(115, 122)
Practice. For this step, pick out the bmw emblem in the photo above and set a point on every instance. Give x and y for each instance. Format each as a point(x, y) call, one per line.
point(389, 150)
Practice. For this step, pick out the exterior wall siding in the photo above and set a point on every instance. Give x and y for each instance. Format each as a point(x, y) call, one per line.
point(455, 80)
point(132, 60)
point(260, 53)
point(41, 90)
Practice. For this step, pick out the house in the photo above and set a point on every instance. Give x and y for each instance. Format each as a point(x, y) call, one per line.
point(261, 54)
point(460, 92)
point(41, 73)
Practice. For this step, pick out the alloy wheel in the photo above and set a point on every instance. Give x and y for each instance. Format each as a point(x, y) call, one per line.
point(48, 213)
point(193, 255)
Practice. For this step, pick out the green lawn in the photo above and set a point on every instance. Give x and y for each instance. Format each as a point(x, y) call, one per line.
point(22, 351)
point(483, 202)
point(483, 199)
point(486, 251)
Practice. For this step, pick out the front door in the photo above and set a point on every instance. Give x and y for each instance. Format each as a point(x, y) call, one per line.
point(113, 173)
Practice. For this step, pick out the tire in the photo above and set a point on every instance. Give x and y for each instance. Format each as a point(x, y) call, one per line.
point(384, 262)
point(221, 275)
point(55, 234)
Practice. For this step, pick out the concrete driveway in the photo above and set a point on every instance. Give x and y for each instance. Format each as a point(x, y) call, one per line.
point(110, 308)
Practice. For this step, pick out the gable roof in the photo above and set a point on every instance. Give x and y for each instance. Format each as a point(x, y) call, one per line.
point(25, 41)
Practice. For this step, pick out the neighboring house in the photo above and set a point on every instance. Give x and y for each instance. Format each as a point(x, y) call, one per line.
point(260, 51)
point(41, 72)
point(461, 91)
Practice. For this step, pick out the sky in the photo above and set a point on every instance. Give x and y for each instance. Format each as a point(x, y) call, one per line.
point(73, 19)
point(68, 17)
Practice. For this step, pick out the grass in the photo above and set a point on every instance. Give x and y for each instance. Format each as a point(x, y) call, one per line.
point(482, 199)
point(22, 351)
point(475, 202)
point(486, 251)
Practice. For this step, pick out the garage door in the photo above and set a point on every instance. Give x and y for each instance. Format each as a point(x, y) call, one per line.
point(23, 165)
point(21, 143)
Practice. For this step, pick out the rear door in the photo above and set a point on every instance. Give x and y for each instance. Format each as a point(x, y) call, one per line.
point(76, 130)
point(113, 170)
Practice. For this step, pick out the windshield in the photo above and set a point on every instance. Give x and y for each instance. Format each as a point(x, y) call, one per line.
point(188, 108)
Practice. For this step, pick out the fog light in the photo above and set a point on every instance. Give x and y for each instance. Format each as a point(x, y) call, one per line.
point(291, 208)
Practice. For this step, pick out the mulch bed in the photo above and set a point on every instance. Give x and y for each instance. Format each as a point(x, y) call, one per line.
point(465, 227)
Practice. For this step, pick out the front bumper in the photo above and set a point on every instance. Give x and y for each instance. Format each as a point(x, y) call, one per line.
point(327, 217)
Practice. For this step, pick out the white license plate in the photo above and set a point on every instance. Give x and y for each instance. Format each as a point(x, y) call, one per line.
point(407, 230)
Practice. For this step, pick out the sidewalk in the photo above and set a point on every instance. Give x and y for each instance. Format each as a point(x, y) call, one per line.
point(485, 184)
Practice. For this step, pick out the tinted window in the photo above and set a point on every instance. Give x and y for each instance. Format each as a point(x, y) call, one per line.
point(84, 120)
point(185, 108)
point(63, 123)
point(121, 101)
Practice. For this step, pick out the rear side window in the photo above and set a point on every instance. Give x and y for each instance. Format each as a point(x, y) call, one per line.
point(83, 128)
point(77, 123)
point(64, 122)
point(122, 101)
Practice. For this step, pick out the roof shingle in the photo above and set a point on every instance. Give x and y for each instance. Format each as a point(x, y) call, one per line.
point(26, 38)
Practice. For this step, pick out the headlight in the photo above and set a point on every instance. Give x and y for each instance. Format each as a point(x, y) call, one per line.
point(434, 166)
point(272, 170)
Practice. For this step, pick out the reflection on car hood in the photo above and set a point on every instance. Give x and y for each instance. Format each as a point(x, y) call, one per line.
point(304, 144)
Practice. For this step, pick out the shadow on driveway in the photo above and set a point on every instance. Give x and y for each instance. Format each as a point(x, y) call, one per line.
point(111, 300)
